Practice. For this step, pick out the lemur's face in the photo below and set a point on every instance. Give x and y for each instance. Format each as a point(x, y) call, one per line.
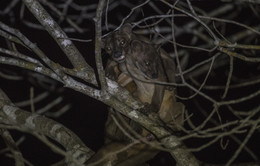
point(117, 43)
point(145, 57)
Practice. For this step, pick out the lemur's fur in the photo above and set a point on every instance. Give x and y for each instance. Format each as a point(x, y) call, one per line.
point(135, 61)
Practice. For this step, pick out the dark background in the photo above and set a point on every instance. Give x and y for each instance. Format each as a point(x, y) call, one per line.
point(87, 116)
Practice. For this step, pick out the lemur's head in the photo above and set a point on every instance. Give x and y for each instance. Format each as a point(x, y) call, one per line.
point(117, 43)
point(145, 57)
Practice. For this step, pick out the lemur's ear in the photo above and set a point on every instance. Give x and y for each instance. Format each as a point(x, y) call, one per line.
point(105, 39)
point(126, 29)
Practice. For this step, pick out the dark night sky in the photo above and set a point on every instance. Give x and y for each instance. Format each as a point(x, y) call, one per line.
point(87, 116)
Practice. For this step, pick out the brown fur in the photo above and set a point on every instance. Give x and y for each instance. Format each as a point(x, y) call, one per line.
point(158, 96)
point(135, 60)
point(117, 155)
point(117, 46)
point(134, 55)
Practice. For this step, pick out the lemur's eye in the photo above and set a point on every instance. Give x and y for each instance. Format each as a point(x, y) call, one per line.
point(147, 63)
point(108, 48)
point(122, 42)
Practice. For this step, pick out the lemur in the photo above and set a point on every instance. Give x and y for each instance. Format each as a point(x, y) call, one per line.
point(138, 62)
point(136, 57)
